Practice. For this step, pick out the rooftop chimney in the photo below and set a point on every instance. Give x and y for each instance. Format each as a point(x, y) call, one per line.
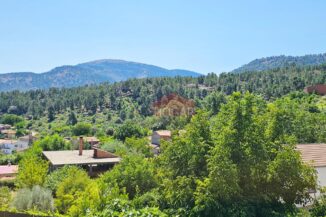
point(81, 145)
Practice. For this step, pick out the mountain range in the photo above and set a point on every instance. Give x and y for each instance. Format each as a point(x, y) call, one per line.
point(273, 62)
point(110, 70)
point(85, 74)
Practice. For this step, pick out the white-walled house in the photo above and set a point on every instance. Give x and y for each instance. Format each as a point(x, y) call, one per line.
point(24, 142)
point(315, 154)
point(7, 146)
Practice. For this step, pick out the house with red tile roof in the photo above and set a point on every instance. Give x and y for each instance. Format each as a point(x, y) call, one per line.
point(8, 171)
point(315, 154)
point(319, 89)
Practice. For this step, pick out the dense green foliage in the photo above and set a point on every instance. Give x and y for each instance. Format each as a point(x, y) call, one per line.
point(11, 119)
point(234, 157)
point(12, 158)
point(82, 129)
point(231, 166)
point(134, 97)
point(53, 180)
point(134, 174)
point(5, 197)
point(32, 169)
point(69, 189)
point(53, 143)
point(273, 62)
point(128, 129)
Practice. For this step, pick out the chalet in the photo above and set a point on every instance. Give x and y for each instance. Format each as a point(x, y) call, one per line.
point(160, 134)
point(319, 89)
point(315, 154)
point(8, 172)
point(94, 160)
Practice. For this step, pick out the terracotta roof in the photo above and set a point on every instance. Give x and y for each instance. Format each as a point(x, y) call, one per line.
point(313, 153)
point(318, 89)
point(8, 170)
point(163, 133)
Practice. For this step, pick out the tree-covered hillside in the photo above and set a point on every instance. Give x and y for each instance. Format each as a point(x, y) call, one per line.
point(282, 61)
point(137, 95)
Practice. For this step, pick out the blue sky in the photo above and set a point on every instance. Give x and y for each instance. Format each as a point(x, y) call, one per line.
point(204, 36)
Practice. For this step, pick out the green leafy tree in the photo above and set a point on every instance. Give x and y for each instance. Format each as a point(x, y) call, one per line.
point(242, 155)
point(133, 173)
point(72, 119)
point(214, 101)
point(51, 114)
point(32, 168)
point(319, 205)
point(5, 197)
point(82, 129)
point(186, 155)
point(230, 165)
point(87, 201)
point(127, 130)
point(69, 189)
point(53, 180)
point(139, 146)
point(11, 119)
point(53, 143)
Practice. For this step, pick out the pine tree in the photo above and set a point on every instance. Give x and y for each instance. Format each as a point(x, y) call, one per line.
point(72, 119)
point(51, 114)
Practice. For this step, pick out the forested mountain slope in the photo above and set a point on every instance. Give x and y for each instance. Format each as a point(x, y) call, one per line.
point(282, 61)
point(141, 93)
point(86, 73)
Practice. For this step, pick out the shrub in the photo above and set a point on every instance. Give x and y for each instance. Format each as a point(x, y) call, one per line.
point(82, 129)
point(5, 197)
point(37, 198)
point(32, 168)
point(70, 189)
point(53, 180)
point(53, 143)
point(134, 174)
point(11, 119)
point(319, 206)
point(114, 146)
point(12, 158)
point(128, 129)
point(10, 183)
